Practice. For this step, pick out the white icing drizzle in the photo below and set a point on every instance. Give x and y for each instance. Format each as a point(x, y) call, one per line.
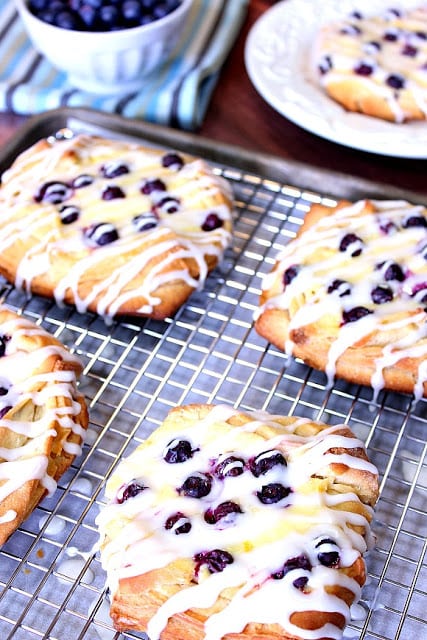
point(317, 253)
point(179, 236)
point(260, 538)
point(348, 49)
point(33, 413)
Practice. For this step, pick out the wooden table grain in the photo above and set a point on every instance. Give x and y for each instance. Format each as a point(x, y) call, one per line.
point(238, 115)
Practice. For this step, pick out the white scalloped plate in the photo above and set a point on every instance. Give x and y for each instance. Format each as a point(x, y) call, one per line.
point(277, 58)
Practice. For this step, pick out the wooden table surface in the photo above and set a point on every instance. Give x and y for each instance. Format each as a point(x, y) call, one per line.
point(237, 114)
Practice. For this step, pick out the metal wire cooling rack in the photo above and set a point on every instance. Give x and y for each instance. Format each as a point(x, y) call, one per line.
point(52, 584)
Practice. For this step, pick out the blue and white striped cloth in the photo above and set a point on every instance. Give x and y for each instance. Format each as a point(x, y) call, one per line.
point(177, 95)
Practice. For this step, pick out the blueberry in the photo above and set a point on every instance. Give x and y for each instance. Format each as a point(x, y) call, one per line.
point(53, 192)
point(198, 485)
point(350, 30)
point(178, 523)
point(178, 451)
point(351, 243)
point(409, 50)
point(395, 81)
point(299, 562)
point(213, 221)
point(101, 234)
point(112, 192)
point(381, 294)
point(273, 492)
point(129, 490)
point(265, 462)
point(372, 47)
point(4, 410)
point(364, 69)
point(145, 221)
point(221, 512)
point(69, 213)
point(328, 557)
point(83, 180)
point(290, 274)
point(354, 314)
point(172, 161)
point(387, 227)
point(216, 560)
point(414, 221)
point(391, 35)
point(109, 14)
point(392, 271)
point(325, 65)
point(300, 583)
point(113, 169)
point(342, 287)
point(153, 185)
point(66, 20)
point(230, 466)
point(3, 391)
point(3, 342)
point(168, 204)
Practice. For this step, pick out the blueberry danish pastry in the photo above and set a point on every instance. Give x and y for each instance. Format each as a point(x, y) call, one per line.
point(43, 417)
point(348, 295)
point(376, 65)
point(227, 524)
point(111, 226)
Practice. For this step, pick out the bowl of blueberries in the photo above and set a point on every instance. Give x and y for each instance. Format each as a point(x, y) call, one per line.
point(105, 46)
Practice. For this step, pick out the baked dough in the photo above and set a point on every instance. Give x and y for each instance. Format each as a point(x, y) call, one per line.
point(232, 524)
point(376, 65)
point(42, 417)
point(111, 226)
point(349, 294)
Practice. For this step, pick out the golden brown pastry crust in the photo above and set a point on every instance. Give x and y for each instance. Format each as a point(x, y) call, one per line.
point(375, 65)
point(137, 598)
point(397, 325)
point(41, 378)
point(163, 227)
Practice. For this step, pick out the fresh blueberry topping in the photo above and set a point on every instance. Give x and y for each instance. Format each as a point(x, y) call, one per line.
point(178, 523)
point(69, 213)
point(84, 180)
point(113, 169)
point(112, 192)
point(350, 30)
point(3, 391)
point(153, 185)
point(172, 161)
point(356, 14)
point(351, 243)
point(341, 287)
point(212, 222)
point(372, 47)
point(198, 485)
point(273, 492)
point(290, 274)
point(3, 342)
point(325, 65)
point(230, 466)
point(364, 69)
point(329, 557)
point(145, 221)
point(391, 35)
point(392, 271)
point(216, 560)
point(387, 227)
point(101, 233)
point(414, 221)
point(300, 562)
point(222, 512)
point(354, 314)
point(4, 410)
point(168, 204)
point(419, 292)
point(395, 81)
point(265, 461)
point(129, 490)
point(392, 13)
point(381, 294)
point(178, 451)
point(409, 50)
point(300, 583)
point(53, 192)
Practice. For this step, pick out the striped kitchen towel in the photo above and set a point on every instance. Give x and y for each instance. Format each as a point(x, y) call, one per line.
point(176, 95)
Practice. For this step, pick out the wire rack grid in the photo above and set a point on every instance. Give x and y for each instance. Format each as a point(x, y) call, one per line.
point(52, 584)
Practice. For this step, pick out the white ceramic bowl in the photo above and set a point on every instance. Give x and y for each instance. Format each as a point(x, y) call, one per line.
point(109, 62)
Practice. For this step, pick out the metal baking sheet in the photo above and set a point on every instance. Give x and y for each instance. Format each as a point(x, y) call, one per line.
point(51, 583)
